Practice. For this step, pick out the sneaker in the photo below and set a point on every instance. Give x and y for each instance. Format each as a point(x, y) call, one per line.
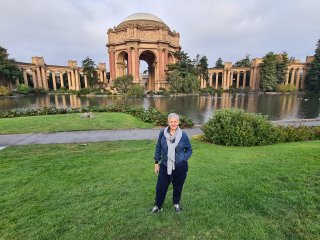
point(177, 208)
point(156, 209)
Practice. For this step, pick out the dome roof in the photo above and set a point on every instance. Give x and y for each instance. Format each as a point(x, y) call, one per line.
point(143, 16)
point(143, 19)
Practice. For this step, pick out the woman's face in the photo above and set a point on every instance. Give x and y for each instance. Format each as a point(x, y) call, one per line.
point(173, 123)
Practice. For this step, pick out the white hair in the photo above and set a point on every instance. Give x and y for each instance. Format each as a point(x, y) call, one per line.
point(173, 115)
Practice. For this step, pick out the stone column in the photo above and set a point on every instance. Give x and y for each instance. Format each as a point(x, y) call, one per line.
point(244, 79)
point(69, 80)
point(73, 80)
point(297, 77)
point(210, 79)
point(231, 79)
point(238, 79)
point(287, 76)
point(129, 62)
point(77, 79)
point(224, 79)
point(293, 73)
point(85, 81)
point(217, 80)
point(25, 77)
point(61, 79)
point(34, 79)
point(105, 76)
point(136, 51)
point(54, 81)
point(160, 62)
point(304, 73)
point(251, 76)
point(112, 64)
point(44, 79)
point(39, 82)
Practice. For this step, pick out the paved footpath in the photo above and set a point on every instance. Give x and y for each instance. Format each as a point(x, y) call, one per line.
point(110, 135)
point(85, 136)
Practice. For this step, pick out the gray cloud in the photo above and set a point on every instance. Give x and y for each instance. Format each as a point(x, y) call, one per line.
point(63, 30)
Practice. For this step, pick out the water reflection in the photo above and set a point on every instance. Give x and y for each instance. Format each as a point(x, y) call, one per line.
point(198, 108)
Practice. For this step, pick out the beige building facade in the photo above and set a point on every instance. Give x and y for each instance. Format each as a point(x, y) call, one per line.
point(142, 37)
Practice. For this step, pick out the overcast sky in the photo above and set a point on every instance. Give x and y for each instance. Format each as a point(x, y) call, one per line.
point(62, 30)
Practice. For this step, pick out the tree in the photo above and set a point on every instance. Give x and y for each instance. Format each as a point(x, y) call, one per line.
point(219, 63)
point(182, 75)
point(282, 67)
point(9, 70)
point(268, 77)
point(201, 66)
point(123, 83)
point(89, 69)
point(313, 75)
point(245, 62)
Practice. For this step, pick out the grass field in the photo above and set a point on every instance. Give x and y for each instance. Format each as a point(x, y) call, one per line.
point(105, 191)
point(70, 122)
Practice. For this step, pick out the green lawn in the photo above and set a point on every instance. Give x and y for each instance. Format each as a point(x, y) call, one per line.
point(105, 191)
point(70, 122)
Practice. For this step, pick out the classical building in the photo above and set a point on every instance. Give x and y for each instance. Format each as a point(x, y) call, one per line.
point(37, 74)
point(142, 36)
point(145, 37)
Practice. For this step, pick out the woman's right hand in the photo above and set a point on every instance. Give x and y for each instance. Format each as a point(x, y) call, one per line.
point(156, 168)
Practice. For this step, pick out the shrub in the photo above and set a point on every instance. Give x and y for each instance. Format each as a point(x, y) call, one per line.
point(301, 133)
point(236, 128)
point(84, 91)
point(23, 89)
point(286, 88)
point(136, 90)
point(38, 91)
point(207, 91)
point(4, 91)
point(151, 115)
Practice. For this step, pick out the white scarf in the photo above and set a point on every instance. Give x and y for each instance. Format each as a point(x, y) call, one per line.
point(172, 147)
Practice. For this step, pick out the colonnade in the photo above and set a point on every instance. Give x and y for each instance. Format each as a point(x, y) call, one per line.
point(296, 76)
point(249, 77)
point(37, 74)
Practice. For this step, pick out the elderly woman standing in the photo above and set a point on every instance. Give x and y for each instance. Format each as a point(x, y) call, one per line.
point(171, 162)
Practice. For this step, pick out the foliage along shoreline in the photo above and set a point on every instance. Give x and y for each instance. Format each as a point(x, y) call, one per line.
point(150, 115)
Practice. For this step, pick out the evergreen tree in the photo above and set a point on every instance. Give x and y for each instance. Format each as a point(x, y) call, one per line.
point(202, 68)
point(9, 69)
point(182, 75)
point(268, 73)
point(219, 63)
point(313, 76)
point(246, 62)
point(89, 69)
point(282, 67)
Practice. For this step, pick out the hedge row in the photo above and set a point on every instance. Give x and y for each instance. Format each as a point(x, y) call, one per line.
point(234, 127)
point(151, 115)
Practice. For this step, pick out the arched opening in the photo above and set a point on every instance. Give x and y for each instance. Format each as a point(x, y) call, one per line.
point(149, 58)
point(122, 64)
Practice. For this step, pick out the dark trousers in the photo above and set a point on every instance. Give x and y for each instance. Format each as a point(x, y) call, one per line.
point(177, 178)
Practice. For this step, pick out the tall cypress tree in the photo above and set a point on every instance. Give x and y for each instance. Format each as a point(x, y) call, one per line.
point(313, 76)
point(282, 67)
point(268, 73)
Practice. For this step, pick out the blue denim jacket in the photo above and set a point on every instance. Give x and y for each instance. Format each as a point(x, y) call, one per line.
point(183, 150)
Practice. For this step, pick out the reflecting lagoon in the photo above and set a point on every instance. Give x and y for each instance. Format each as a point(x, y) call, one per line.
point(198, 108)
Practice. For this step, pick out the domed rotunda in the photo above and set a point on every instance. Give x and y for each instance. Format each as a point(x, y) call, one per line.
point(142, 37)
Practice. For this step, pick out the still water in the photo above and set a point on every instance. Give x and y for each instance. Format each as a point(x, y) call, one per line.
point(198, 108)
